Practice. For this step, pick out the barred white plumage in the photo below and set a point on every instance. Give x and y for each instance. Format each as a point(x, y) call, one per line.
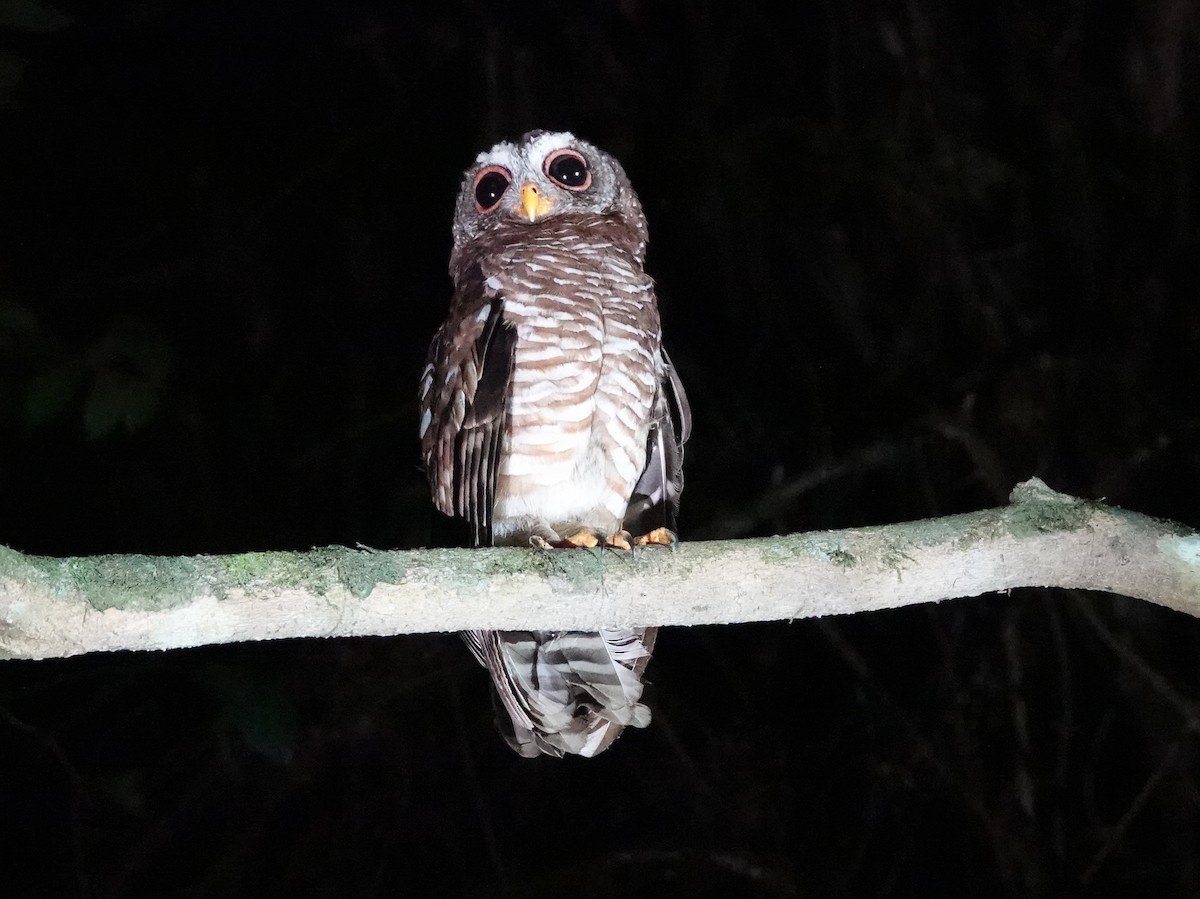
point(550, 414)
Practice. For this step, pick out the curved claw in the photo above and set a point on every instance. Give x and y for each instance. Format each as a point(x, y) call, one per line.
point(586, 538)
point(658, 537)
point(620, 540)
point(581, 539)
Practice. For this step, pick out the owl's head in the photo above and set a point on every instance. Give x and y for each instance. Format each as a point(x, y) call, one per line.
point(544, 175)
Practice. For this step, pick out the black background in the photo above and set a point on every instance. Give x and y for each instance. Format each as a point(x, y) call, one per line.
point(908, 254)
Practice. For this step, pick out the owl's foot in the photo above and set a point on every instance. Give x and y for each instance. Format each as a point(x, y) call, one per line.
point(585, 538)
point(620, 540)
point(658, 537)
point(581, 539)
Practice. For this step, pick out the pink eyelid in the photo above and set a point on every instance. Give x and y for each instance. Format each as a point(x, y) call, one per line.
point(587, 182)
point(487, 170)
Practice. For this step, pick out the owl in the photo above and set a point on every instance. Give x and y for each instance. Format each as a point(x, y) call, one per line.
point(550, 415)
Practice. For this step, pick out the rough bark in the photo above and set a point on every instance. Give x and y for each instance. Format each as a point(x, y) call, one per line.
point(60, 607)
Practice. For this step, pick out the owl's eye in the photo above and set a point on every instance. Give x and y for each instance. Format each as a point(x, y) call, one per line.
point(490, 185)
point(569, 169)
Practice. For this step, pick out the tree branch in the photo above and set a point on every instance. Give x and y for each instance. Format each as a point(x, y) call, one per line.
point(62, 607)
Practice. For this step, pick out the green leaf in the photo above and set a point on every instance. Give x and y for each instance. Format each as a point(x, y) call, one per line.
point(130, 366)
point(256, 706)
point(12, 69)
point(32, 16)
point(49, 394)
point(117, 398)
point(18, 324)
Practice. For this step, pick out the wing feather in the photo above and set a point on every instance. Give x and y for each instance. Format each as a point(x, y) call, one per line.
point(655, 499)
point(464, 401)
point(566, 691)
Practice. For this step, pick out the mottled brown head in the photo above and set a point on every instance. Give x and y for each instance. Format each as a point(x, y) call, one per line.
point(544, 175)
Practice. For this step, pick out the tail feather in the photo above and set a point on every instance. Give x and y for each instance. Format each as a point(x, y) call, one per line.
point(566, 691)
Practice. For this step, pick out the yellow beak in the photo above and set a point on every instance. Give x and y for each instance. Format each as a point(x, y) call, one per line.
point(532, 204)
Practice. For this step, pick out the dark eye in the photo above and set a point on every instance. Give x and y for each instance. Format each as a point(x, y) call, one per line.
point(490, 185)
point(569, 169)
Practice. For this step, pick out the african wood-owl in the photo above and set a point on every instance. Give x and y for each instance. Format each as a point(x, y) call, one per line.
point(552, 417)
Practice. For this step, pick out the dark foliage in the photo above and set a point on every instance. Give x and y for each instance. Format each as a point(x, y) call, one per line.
point(908, 255)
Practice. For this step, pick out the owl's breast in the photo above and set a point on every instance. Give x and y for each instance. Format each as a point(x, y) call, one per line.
point(585, 372)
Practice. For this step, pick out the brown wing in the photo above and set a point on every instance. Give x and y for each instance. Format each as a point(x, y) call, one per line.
point(655, 498)
point(464, 401)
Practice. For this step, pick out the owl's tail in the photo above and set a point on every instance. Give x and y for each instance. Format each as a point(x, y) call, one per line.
point(566, 691)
